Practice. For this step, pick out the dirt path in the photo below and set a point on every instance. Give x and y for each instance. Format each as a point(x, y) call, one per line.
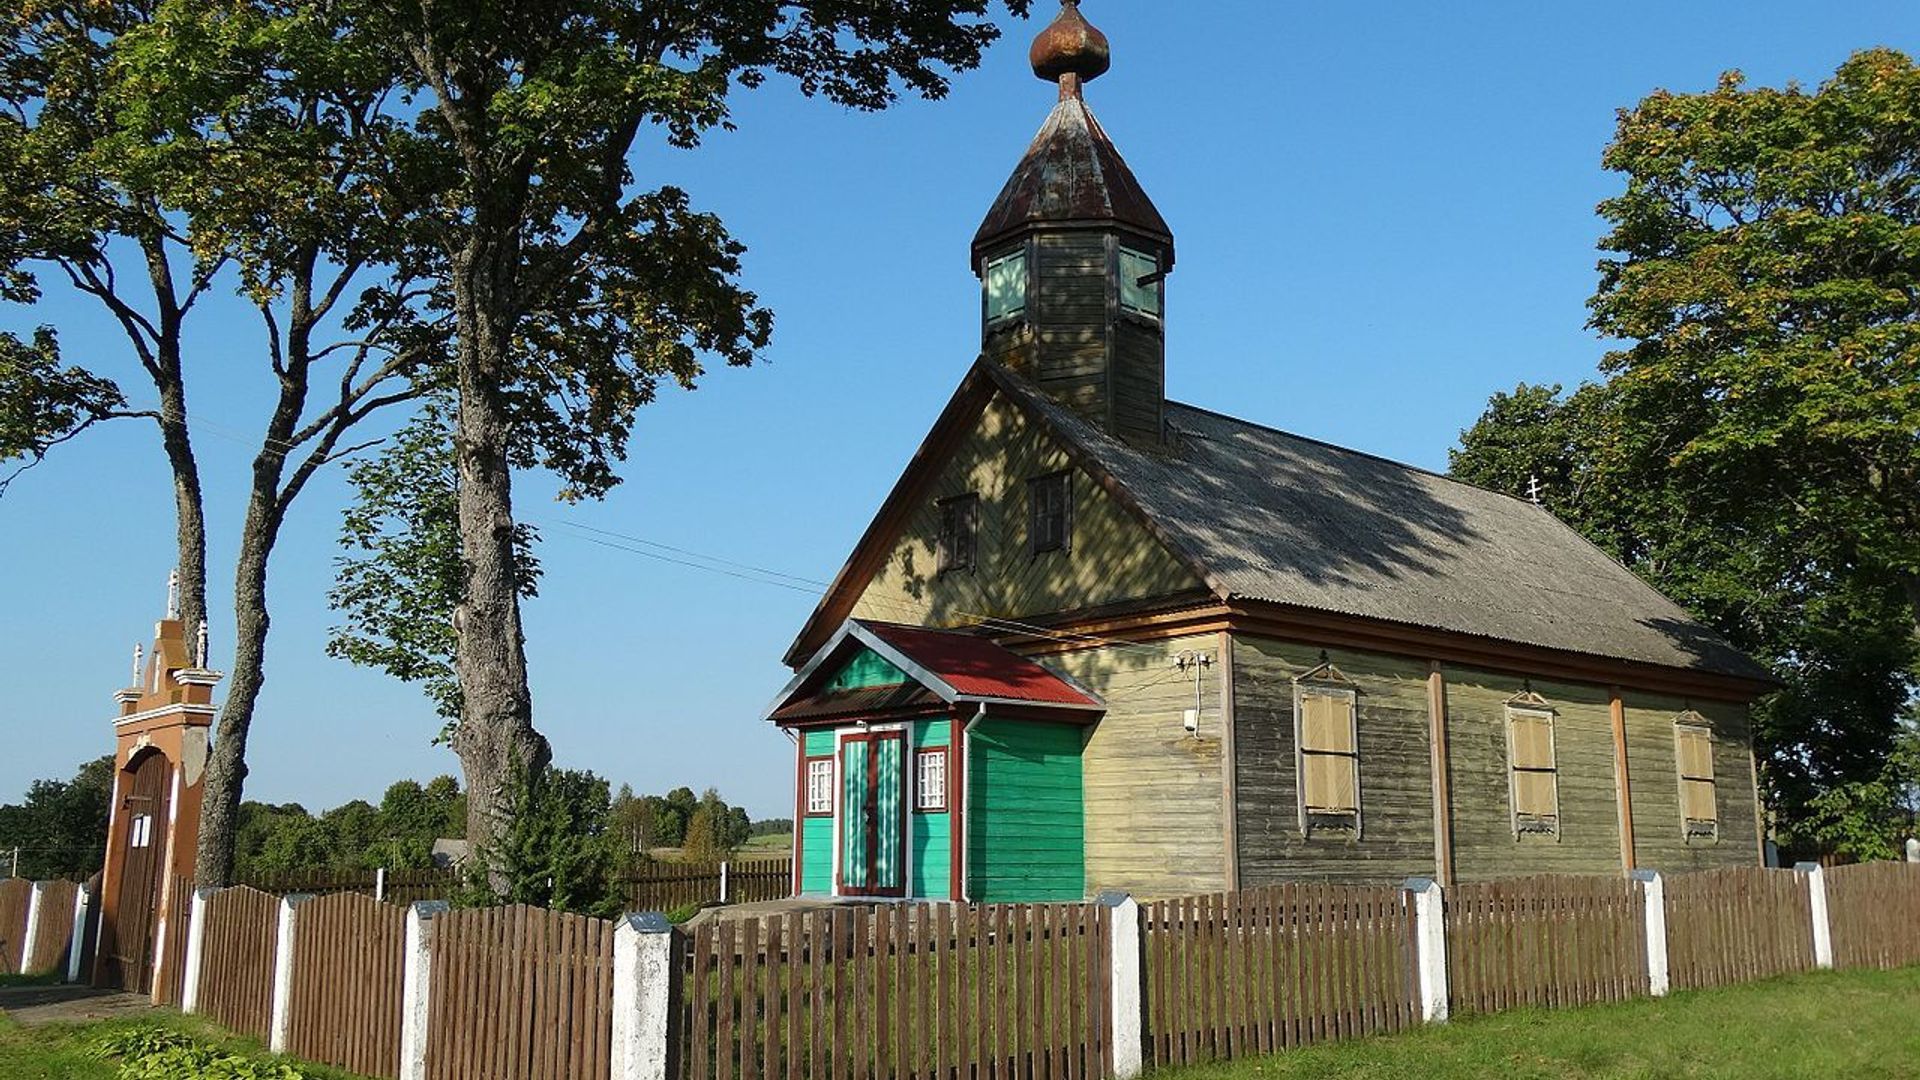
point(31, 1006)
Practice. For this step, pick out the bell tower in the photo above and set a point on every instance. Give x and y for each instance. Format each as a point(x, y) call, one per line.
point(1073, 257)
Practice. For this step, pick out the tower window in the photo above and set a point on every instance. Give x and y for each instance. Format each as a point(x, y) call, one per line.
point(1006, 286)
point(1050, 520)
point(1139, 282)
point(959, 528)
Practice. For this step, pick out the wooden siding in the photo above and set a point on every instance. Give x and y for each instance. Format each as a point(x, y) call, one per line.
point(1153, 792)
point(1652, 763)
point(1112, 558)
point(1396, 775)
point(1484, 845)
point(930, 834)
point(1028, 833)
point(816, 833)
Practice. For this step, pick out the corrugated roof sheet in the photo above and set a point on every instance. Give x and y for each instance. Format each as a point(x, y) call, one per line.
point(979, 668)
point(1270, 516)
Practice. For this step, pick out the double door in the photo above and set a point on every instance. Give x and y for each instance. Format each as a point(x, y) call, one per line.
point(873, 819)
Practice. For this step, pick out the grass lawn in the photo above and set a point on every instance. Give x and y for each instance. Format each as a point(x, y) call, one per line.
point(1848, 1026)
point(65, 1051)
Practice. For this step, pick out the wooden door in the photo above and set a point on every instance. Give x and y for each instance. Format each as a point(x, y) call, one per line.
point(141, 834)
point(873, 820)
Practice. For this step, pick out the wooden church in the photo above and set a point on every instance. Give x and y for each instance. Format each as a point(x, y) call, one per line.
point(1098, 639)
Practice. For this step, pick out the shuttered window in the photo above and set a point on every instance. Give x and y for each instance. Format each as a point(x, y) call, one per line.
point(1699, 808)
point(1050, 517)
point(959, 531)
point(1533, 774)
point(1006, 286)
point(1329, 760)
point(1139, 282)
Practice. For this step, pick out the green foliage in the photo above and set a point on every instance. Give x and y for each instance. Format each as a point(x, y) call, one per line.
point(400, 587)
point(162, 1054)
point(556, 849)
point(1752, 453)
point(61, 825)
point(43, 404)
point(397, 834)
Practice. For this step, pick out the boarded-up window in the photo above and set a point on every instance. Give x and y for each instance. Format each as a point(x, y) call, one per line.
point(1533, 774)
point(1006, 286)
point(1139, 282)
point(959, 526)
point(1050, 522)
point(1693, 747)
point(1329, 759)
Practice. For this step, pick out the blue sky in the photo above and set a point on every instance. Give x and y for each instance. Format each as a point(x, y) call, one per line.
point(1384, 213)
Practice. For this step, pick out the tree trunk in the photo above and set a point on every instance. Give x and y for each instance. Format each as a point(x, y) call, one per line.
point(1911, 583)
point(496, 730)
point(190, 520)
point(227, 762)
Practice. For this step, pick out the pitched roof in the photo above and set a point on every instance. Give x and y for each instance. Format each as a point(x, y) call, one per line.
point(945, 666)
point(1071, 174)
point(1269, 516)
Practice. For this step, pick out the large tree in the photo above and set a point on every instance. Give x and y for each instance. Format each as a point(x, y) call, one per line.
point(574, 286)
point(1840, 642)
point(1764, 272)
point(155, 152)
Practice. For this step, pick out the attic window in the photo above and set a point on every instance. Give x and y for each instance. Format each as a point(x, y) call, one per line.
point(1139, 283)
point(1693, 751)
point(1006, 285)
point(1050, 517)
point(959, 529)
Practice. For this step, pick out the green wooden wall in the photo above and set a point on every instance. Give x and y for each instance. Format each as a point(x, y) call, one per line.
point(930, 834)
point(1028, 829)
point(866, 668)
point(1396, 772)
point(816, 833)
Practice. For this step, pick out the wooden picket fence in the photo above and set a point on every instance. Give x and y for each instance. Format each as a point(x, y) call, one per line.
point(53, 931)
point(1737, 925)
point(669, 886)
point(15, 893)
point(241, 935)
point(1234, 974)
point(520, 993)
point(928, 990)
point(753, 881)
point(1545, 941)
point(402, 886)
point(344, 1008)
point(1874, 909)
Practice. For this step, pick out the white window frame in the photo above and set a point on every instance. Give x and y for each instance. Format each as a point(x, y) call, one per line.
point(923, 756)
point(1693, 721)
point(831, 774)
point(1553, 753)
point(1300, 692)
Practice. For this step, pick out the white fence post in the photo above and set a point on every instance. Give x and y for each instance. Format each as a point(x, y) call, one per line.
point(82, 907)
point(645, 986)
point(1653, 892)
point(282, 1013)
point(723, 882)
point(1123, 968)
point(1430, 937)
point(380, 883)
point(415, 983)
point(36, 898)
point(196, 949)
point(1817, 902)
